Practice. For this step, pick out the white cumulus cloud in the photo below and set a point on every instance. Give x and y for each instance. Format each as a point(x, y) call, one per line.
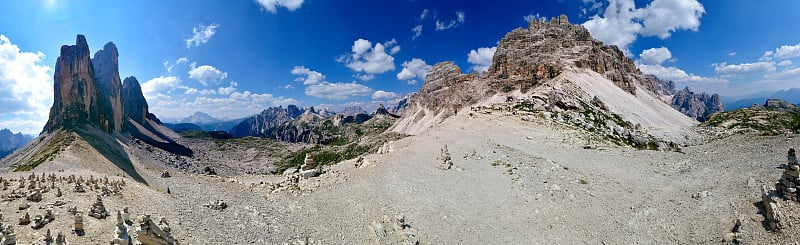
point(307, 76)
point(272, 5)
point(724, 69)
point(194, 91)
point(26, 89)
point(622, 22)
point(337, 91)
point(317, 86)
point(229, 89)
point(481, 59)
point(783, 52)
point(159, 85)
point(677, 75)
point(368, 60)
point(650, 62)
point(206, 74)
point(655, 56)
point(201, 35)
point(383, 95)
point(413, 69)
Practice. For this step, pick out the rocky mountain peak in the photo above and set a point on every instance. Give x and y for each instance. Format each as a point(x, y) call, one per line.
point(697, 105)
point(781, 105)
point(381, 110)
point(526, 57)
point(133, 103)
point(76, 99)
point(258, 125)
point(106, 67)
point(199, 117)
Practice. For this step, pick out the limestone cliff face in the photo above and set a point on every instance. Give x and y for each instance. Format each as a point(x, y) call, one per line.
point(445, 88)
point(76, 98)
point(697, 105)
point(445, 91)
point(526, 57)
point(106, 68)
point(133, 102)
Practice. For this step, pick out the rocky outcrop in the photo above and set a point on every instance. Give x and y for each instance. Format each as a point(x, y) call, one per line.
point(774, 117)
point(781, 105)
point(272, 117)
point(76, 100)
point(558, 70)
point(697, 105)
point(106, 67)
point(526, 57)
point(401, 106)
point(133, 102)
point(445, 91)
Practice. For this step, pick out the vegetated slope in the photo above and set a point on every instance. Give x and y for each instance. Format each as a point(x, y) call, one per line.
point(774, 117)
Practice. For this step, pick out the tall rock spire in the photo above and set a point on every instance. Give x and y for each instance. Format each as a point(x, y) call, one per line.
point(133, 101)
point(106, 68)
point(75, 101)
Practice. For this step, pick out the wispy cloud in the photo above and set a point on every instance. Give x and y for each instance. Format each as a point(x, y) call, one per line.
point(444, 25)
point(201, 35)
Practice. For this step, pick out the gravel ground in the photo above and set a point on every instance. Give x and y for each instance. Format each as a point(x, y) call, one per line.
point(512, 182)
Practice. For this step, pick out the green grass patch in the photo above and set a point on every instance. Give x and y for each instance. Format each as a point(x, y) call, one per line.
point(60, 141)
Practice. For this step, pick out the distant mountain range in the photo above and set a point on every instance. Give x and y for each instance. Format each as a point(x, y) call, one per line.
point(9, 141)
point(789, 95)
point(202, 121)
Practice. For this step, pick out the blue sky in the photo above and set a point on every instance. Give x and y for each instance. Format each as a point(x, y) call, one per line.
point(235, 58)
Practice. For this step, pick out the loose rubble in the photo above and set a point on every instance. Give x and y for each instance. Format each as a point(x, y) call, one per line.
point(218, 205)
point(393, 231)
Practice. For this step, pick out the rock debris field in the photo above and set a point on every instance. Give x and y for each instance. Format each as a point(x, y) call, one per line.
point(465, 181)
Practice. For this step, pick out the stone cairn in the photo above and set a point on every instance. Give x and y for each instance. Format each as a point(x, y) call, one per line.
point(785, 189)
point(60, 239)
point(121, 236)
point(78, 224)
point(307, 170)
point(445, 161)
point(149, 232)
point(790, 180)
point(98, 210)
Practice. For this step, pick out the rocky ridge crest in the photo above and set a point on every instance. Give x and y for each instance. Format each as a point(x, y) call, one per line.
point(556, 69)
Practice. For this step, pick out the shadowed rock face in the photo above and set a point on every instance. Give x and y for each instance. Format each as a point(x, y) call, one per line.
point(76, 100)
point(133, 102)
point(106, 67)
